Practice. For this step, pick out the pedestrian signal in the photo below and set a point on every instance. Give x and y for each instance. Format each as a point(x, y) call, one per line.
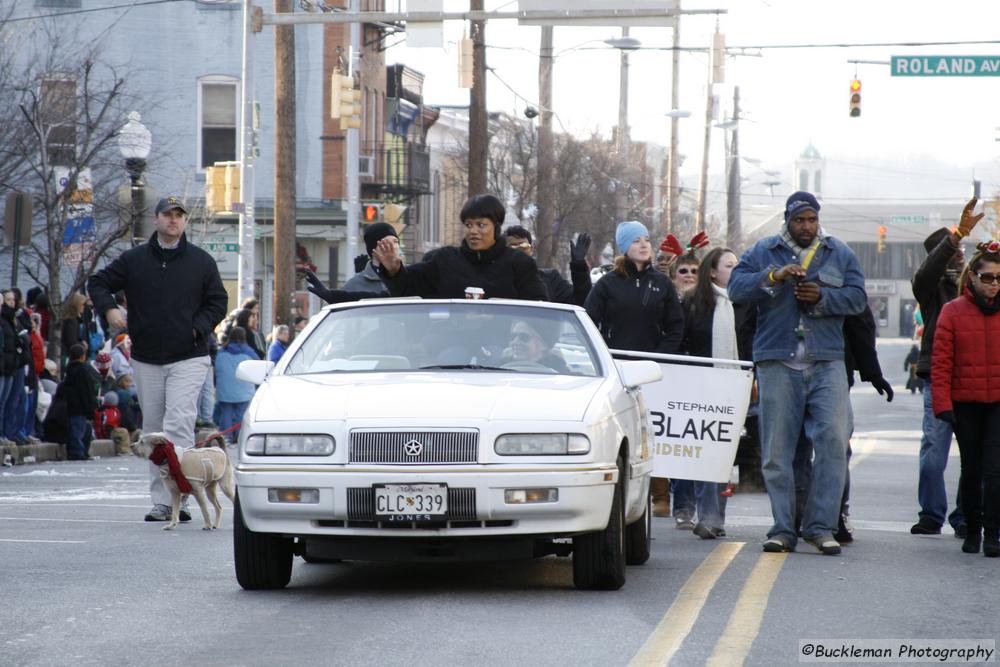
point(371, 213)
point(855, 98)
point(880, 245)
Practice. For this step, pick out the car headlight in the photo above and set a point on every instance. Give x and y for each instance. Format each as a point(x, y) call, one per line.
point(290, 445)
point(540, 444)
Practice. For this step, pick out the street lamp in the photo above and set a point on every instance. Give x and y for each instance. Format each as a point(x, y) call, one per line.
point(134, 142)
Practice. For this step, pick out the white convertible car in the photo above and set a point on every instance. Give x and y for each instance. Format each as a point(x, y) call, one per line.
point(399, 429)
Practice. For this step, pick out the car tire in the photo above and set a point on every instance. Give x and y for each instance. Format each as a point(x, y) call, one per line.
point(639, 536)
point(263, 561)
point(599, 558)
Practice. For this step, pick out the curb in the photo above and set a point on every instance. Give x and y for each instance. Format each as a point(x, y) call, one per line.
point(51, 451)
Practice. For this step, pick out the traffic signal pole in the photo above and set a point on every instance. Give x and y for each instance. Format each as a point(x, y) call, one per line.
point(353, 155)
point(245, 275)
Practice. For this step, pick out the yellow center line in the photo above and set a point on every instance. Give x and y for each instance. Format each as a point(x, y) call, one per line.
point(675, 625)
point(744, 622)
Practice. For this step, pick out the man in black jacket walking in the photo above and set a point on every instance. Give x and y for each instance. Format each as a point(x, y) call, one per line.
point(482, 261)
point(556, 287)
point(934, 284)
point(175, 298)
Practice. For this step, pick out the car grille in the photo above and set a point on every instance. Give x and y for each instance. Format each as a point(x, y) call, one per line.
point(361, 504)
point(414, 446)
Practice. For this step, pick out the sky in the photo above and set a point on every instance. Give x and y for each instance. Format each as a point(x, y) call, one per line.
point(917, 136)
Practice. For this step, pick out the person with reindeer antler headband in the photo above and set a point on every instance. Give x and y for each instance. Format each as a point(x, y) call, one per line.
point(965, 359)
point(681, 262)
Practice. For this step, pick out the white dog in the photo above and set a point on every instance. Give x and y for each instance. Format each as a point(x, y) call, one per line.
point(205, 468)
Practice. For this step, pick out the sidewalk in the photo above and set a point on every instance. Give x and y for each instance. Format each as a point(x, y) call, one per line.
point(50, 451)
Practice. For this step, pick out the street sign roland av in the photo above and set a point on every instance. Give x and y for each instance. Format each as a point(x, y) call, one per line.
point(220, 247)
point(945, 66)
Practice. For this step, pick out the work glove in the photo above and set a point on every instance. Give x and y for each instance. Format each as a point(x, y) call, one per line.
point(947, 416)
point(883, 387)
point(360, 262)
point(968, 221)
point(578, 249)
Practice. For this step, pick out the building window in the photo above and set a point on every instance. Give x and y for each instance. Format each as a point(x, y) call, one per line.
point(803, 180)
point(818, 184)
point(57, 111)
point(217, 120)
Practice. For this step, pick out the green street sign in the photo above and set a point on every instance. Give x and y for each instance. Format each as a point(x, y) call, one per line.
point(945, 66)
point(221, 247)
point(906, 219)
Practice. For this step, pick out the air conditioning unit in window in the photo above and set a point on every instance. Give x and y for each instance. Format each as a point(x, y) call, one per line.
point(366, 165)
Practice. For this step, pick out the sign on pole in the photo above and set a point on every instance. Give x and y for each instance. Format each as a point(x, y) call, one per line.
point(945, 65)
point(598, 5)
point(421, 33)
point(80, 231)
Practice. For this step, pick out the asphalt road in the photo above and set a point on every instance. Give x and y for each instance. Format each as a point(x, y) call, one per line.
point(84, 581)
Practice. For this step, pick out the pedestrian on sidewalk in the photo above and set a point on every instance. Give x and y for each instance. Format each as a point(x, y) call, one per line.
point(964, 368)
point(802, 282)
point(175, 298)
point(636, 308)
point(232, 394)
point(282, 336)
point(711, 329)
point(80, 389)
point(934, 284)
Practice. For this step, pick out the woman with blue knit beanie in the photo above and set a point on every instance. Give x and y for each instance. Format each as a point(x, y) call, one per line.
point(635, 306)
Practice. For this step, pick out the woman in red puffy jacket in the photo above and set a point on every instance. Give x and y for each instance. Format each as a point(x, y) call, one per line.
point(965, 383)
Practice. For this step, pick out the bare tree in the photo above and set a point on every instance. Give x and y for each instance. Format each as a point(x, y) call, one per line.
point(61, 123)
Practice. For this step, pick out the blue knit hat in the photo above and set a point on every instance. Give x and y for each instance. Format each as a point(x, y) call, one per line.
point(798, 202)
point(628, 232)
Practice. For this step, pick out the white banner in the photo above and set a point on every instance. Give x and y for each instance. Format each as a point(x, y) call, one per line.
point(421, 34)
point(696, 416)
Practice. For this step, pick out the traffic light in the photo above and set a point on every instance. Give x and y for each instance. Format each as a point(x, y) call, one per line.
point(880, 244)
point(345, 101)
point(371, 212)
point(855, 98)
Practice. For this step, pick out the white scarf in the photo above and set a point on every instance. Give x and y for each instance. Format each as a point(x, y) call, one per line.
point(723, 326)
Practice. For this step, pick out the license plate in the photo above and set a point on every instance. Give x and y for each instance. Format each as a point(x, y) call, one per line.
point(411, 502)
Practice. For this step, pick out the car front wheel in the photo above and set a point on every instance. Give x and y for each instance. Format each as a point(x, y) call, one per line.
point(638, 536)
point(599, 558)
point(263, 561)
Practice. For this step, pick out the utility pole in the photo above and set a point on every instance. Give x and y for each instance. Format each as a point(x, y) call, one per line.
point(245, 274)
point(478, 120)
point(624, 146)
point(353, 149)
point(699, 221)
point(284, 167)
point(673, 174)
point(734, 226)
point(546, 149)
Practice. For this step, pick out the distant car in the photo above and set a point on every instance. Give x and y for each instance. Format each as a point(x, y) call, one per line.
point(398, 429)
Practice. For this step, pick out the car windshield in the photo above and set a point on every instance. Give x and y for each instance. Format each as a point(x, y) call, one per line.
point(473, 337)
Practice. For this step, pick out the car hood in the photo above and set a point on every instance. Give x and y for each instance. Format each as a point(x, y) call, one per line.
point(425, 396)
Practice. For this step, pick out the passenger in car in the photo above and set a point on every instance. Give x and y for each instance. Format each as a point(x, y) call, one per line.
point(483, 260)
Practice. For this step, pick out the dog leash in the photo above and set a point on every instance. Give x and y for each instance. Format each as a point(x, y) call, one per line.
point(216, 434)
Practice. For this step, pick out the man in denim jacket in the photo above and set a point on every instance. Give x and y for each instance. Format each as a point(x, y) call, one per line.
point(803, 283)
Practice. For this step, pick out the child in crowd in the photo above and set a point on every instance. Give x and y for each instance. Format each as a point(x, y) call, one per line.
point(80, 389)
point(128, 406)
point(107, 417)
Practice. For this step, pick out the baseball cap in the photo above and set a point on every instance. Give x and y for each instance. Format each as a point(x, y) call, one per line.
point(168, 203)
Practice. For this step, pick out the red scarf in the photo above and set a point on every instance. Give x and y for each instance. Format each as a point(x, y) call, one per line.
point(164, 453)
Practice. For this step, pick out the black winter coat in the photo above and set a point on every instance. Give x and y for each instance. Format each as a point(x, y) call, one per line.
point(559, 290)
point(640, 312)
point(859, 347)
point(697, 340)
point(445, 273)
point(175, 299)
point(80, 389)
point(9, 350)
point(932, 289)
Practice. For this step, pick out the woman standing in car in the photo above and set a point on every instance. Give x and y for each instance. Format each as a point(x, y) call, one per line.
point(964, 362)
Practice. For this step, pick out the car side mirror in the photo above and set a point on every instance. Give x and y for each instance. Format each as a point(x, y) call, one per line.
point(636, 373)
point(254, 370)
